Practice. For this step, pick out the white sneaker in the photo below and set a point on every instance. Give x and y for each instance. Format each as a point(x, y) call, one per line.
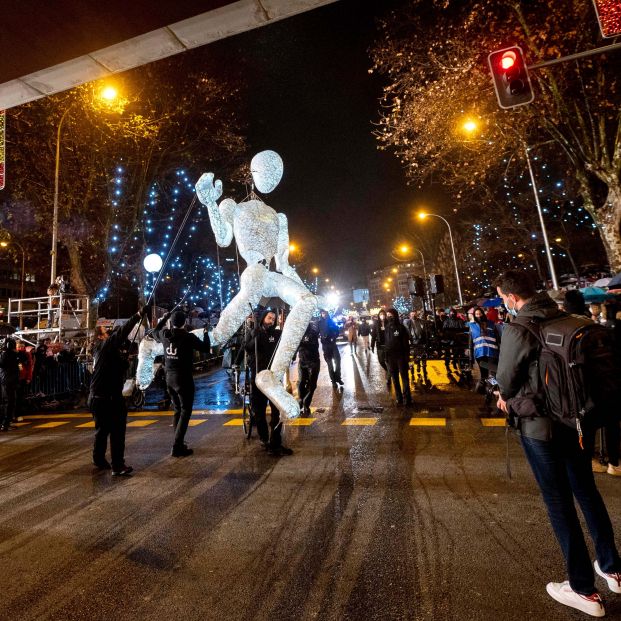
point(564, 594)
point(613, 580)
point(598, 466)
point(614, 470)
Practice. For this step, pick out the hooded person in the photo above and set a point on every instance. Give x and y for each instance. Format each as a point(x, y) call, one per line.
point(261, 343)
point(329, 332)
point(179, 347)
point(308, 367)
point(378, 339)
point(397, 348)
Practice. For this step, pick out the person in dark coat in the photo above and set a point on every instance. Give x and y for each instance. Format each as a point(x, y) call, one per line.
point(329, 332)
point(308, 367)
point(106, 401)
point(378, 339)
point(179, 347)
point(397, 345)
point(364, 331)
point(574, 303)
point(9, 378)
point(261, 343)
point(561, 467)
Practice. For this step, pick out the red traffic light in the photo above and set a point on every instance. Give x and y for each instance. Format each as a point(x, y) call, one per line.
point(508, 60)
point(608, 16)
point(510, 77)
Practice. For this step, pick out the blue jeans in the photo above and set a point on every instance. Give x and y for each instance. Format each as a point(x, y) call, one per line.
point(563, 470)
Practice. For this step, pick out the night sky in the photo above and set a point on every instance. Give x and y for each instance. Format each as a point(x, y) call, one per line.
point(314, 102)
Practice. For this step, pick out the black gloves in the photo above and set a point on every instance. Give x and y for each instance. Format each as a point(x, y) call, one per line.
point(146, 309)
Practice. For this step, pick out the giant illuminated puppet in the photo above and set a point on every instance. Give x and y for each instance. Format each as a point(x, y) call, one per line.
point(261, 235)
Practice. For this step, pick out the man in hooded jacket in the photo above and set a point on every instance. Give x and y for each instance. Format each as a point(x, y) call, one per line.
point(179, 347)
point(308, 367)
point(397, 347)
point(329, 332)
point(261, 343)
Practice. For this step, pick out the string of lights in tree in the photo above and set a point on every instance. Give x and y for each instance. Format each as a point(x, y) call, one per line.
point(190, 269)
point(512, 238)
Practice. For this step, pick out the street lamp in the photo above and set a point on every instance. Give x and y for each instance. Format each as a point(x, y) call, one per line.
point(424, 214)
point(108, 94)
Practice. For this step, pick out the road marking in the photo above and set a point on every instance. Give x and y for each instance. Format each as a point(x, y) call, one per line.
point(141, 423)
point(234, 422)
point(197, 421)
point(51, 425)
point(300, 422)
point(89, 425)
point(493, 422)
point(19, 424)
point(57, 416)
point(427, 422)
point(354, 422)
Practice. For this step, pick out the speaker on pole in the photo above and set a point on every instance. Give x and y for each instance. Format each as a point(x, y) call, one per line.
point(437, 283)
point(416, 286)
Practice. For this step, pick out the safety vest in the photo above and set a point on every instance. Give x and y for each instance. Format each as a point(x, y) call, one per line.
point(485, 342)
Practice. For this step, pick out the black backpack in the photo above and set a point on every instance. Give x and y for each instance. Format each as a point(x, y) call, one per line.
point(579, 379)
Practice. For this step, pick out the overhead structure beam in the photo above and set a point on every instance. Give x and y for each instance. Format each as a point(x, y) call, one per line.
point(187, 34)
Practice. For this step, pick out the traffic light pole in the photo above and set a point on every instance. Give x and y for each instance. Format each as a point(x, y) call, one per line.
point(541, 220)
point(585, 54)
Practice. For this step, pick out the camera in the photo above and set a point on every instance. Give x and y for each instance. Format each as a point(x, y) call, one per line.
point(491, 390)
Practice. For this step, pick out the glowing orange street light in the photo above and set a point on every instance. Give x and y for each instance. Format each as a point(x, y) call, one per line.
point(315, 270)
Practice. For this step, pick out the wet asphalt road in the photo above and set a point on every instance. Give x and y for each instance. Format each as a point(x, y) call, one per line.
point(379, 521)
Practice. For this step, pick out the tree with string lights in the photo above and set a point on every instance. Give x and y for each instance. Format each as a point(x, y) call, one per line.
point(440, 116)
point(170, 118)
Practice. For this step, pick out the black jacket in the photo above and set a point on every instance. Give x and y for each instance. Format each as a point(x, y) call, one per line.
point(397, 339)
point(378, 333)
point(308, 351)
point(110, 358)
point(179, 346)
point(261, 343)
point(518, 371)
point(9, 367)
point(417, 331)
point(364, 329)
point(328, 331)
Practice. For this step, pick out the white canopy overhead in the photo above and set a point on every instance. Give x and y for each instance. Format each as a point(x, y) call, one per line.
point(219, 23)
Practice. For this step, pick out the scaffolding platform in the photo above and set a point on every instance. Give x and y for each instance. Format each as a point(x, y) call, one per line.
point(57, 317)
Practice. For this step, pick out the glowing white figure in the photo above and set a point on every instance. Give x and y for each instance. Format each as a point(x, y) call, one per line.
point(261, 235)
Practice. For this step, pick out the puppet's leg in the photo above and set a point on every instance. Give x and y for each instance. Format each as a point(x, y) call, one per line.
point(148, 350)
point(252, 283)
point(303, 304)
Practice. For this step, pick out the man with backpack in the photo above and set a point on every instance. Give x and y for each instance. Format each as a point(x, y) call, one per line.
point(554, 385)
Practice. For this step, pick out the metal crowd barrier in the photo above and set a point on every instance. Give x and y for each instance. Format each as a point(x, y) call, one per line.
point(59, 381)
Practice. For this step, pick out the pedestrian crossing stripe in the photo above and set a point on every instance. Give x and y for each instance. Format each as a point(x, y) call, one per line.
point(355, 422)
point(300, 422)
point(19, 424)
point(428, 422)
point(197, 421)
point(52, 424)
point(493, 422)
point(234, 422)
point(89, 425)
point(141, 423)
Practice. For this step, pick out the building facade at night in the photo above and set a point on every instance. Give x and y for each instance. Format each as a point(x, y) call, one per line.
point(389, 282)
